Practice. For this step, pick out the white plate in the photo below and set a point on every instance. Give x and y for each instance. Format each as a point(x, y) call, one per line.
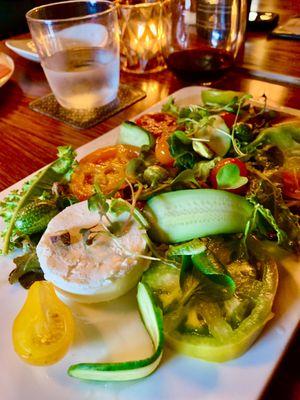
point(7, 61)
point(114, 332)
point(24, 48)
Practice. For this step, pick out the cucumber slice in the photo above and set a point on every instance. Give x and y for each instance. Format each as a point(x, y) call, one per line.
point(134, 135)
point(164, 283)
point(188, 214)
point(152, 317)
point(35, 216)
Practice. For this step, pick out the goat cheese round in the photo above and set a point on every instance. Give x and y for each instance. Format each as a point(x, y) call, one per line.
point(84, 260)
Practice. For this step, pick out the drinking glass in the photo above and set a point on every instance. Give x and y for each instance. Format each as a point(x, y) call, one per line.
point(78, 44)
point(206, 36)
point(145, 35)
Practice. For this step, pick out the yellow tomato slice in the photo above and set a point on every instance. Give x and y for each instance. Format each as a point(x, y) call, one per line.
point(44, 328)
point(106, 167)
point(162, 151)
point(161, 125)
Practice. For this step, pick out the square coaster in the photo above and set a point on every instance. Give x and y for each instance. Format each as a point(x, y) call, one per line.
point(83, 119)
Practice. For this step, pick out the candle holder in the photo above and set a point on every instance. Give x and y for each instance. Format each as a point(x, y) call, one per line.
point(145, 31)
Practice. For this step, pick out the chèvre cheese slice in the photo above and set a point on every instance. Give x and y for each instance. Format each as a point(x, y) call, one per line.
point(85, 261)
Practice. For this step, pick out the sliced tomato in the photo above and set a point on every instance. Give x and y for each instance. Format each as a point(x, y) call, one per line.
point(158, 123)
point(162, 152)
point(106, 167)
point(44, 328)
point(209, 327)
point(228, 118)
point(161, 125)
point(243, 172)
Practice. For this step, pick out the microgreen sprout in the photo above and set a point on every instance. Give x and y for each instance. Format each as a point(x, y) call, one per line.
point(233, 139)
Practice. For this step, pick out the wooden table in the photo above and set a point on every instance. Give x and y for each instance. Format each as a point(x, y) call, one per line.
point(28, 140)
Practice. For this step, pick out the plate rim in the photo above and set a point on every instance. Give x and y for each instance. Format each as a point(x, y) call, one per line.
point(27, 54)
point(10, 63)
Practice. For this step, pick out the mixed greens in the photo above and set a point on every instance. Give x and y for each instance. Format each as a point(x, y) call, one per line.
point(26, 213)
point(218, 191)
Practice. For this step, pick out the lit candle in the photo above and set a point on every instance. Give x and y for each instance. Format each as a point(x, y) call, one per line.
point(144, 36)
point(149, 39)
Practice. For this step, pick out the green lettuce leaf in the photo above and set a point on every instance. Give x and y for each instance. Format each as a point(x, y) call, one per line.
point(192, 247)
point(170, 107)
point(27, 269)
point(285, 136)
point(268, 194)
point(187, 177)
point(98, 201)
point(192, 113)
point(181, 149)
point(268, 217)
point(38, 187)
point(202, 168)
point(208, 265)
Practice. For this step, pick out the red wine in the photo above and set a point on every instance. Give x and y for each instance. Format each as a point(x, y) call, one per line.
point(206, 64)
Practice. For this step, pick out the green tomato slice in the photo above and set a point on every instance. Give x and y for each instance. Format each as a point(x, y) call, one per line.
point(217, 329)
point(224, 342)
point(219, 97)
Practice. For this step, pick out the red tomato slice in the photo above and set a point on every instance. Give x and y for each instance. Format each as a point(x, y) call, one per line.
point(228, 118)
point(158, 123)
point(243, 172)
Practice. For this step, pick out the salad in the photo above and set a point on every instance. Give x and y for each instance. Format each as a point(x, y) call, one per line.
point(195, 206)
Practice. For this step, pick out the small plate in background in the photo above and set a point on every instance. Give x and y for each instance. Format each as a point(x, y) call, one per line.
point(7, 67)
point(88, 34)
point(24, 48)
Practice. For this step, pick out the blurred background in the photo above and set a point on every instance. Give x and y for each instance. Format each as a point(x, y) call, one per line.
point(12, 15)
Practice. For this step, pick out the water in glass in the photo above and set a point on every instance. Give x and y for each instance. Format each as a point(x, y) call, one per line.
point(83, 78)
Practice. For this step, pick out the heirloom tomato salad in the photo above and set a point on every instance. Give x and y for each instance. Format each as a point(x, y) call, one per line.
point(195, 205)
